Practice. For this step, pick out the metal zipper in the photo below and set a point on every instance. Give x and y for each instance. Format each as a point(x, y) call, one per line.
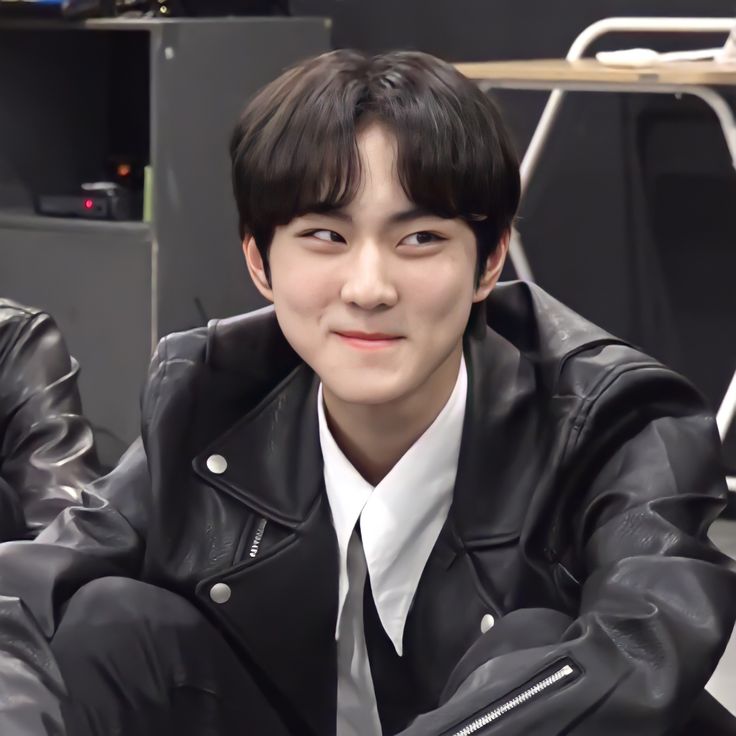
point(256, 543)
point(523, 697)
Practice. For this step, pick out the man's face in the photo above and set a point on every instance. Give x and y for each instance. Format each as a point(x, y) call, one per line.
point(376, 297)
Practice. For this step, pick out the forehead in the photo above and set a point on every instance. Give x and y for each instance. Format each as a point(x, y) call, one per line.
point(377, 146)
point(379, 179)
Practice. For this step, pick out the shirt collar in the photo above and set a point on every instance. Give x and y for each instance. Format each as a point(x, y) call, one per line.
point(401, 517)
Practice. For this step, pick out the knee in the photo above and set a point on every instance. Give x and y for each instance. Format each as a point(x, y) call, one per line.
point(121, 648)
point(111, 614)
point(120, 600)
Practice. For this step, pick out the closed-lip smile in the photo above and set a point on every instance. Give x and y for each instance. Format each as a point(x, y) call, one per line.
point(368, 340)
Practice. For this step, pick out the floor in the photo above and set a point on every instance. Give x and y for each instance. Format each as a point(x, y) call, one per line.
point(723, 682)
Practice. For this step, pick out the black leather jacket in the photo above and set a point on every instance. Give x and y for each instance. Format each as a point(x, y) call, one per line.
point(588, 477)
point(47, 452)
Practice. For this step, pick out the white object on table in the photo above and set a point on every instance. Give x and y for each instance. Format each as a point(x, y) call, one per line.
point(647, 57)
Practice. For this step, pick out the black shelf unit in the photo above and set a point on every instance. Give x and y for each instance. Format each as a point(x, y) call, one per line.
point(73, 98)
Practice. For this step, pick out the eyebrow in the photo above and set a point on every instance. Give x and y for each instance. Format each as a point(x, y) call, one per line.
point(397, 218)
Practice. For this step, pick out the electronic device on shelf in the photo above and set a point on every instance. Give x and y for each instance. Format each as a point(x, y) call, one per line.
point(102, 200)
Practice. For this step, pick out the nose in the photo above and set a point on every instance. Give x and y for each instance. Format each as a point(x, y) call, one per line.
point(368, 283)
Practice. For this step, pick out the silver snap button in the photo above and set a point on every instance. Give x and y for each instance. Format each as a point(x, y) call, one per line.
point(486, 623)
point(216, 464)
point(220, 593)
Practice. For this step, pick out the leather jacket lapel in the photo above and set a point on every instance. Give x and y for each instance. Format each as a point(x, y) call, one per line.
point(282, 605)
point(272, 457)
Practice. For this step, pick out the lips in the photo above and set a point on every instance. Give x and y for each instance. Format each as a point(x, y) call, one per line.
point(368, 340)
point(369, 336)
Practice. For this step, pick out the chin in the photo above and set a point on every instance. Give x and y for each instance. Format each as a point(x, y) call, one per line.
point(366, 392)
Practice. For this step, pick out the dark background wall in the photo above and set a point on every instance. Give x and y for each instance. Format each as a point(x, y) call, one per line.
point(630, 218)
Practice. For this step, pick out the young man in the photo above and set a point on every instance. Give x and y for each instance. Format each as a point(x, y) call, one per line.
point(362, 511)
point(47, 451)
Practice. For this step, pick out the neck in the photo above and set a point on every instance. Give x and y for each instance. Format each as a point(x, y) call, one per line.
point(375, 437)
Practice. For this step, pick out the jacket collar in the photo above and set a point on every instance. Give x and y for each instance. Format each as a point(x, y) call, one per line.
point(274, 462)
point(500, 410)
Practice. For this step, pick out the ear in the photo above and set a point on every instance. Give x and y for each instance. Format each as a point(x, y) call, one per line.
point(256, 268)
point(494, 266)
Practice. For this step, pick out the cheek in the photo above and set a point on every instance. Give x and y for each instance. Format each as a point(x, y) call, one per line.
point(302, 293)
point(298, 296)
point(300, 286)
point(443, 295)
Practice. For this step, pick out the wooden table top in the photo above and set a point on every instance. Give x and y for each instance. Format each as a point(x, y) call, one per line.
point(586, 71)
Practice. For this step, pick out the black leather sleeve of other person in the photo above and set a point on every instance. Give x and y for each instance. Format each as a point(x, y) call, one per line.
point(47, 451)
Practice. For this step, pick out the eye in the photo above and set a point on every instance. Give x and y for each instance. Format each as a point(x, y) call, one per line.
point(328, 236)
point(422, 238)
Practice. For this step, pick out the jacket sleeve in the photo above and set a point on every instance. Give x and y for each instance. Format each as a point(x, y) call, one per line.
point(103, 536)
point(47, 452)
point(37, 577)
point(657, 601)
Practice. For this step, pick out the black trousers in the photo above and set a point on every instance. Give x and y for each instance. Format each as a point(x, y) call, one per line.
point(141, 661)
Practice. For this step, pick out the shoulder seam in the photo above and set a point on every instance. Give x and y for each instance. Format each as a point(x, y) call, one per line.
point(601, 388)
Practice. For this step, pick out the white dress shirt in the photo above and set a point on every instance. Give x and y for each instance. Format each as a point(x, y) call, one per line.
point(400, 520)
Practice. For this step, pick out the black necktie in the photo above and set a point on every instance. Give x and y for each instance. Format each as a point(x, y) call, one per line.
point(397, 695)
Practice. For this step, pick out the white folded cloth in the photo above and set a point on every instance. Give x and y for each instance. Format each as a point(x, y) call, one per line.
point(650, 57)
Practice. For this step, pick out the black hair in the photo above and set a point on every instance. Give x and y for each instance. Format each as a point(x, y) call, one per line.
point(294, 149)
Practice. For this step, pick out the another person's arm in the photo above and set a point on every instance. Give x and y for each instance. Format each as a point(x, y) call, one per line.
point(47, 452)
point(37, 578)
point(103, 536)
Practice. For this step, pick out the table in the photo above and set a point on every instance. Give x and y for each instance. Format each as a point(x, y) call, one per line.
point(572, 74)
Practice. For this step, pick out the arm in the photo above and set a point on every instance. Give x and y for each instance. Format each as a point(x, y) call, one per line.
point(105, 536)
point(47, 452)
point(657, 600)
point(36, 579)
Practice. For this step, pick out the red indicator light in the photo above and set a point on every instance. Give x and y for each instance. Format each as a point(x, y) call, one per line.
point(88, 204)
